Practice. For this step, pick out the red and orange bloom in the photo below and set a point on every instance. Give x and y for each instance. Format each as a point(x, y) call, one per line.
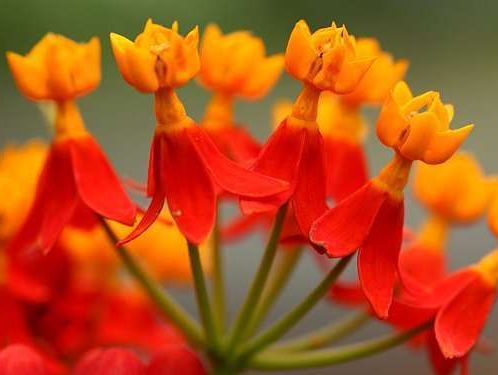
point(234, 65)
point(186, 168)
point(328, 59)
point(76, 170)
point(377, 209)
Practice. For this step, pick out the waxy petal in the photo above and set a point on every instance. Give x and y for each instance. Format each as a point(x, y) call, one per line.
point(21, 360)
point(351, 74)
point(236, 143)
point(334, 230)
point(187, 184)
point(263, 77)
point(230, 175)
point(300, 53)
point(378, 256)
point(440, 364)
point(29, 76)
point(460, 322)
point(176, 359)
point(108, 362)
point(97, 183)
point(348, 294)
point(444, 145)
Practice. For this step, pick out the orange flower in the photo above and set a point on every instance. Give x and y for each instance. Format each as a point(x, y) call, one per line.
point(457, 190)
point(235, 64)
point(419, 135)
point(379, 79)
point(159, 57)
point(163, 250)
point(327, 59)
point(20, 166)
point(57, 68)
point(493, 210)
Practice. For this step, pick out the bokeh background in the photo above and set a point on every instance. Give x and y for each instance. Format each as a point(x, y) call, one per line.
point(451, 45)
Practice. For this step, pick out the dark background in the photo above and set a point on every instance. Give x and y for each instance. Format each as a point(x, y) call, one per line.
point(451, 45)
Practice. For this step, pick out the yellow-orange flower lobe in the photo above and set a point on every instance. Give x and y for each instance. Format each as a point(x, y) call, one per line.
point(327, 59)
point(158, 58)
point(456, 190)
point(417, 134)
point(57, 68)
point(493, 209)
point(236, 64)
point(488, 267)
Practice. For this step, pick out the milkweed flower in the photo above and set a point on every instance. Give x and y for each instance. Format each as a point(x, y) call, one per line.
point(377, 209)
point(110, 361)
point(76, 170)
point(21, 360)
point(327, 59)
point(186, 168)
point(234, 65)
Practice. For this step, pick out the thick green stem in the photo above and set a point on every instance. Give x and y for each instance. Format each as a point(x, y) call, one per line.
point(201, 294)
point(277, 361)
point(325, 335)
point(287, 259)
point(294, 316)
point(218, 280)
point(254, 294)
point(166, 304)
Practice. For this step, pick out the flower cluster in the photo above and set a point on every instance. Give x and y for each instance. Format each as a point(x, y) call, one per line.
point(69, 223)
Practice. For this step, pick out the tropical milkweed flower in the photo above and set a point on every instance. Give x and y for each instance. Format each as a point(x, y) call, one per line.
point(76, 170)
point(234, 65)
point(377, 209)
point(186, 168)
point(328, 59)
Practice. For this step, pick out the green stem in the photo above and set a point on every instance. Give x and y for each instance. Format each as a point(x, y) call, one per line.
point(218, 280)
point(166, 304)
point(254, 294)
point(277, 361)
point(325, 335)
point(294, 316)
point(202, 295)
point(286, 263)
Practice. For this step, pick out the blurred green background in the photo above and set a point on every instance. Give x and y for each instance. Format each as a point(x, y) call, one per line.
point(451, 45)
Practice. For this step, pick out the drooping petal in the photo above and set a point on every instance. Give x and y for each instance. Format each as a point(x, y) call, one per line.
point(97, 183)
point(346, 167)
point(245, 224)
point(280, 158)
point(108, 362)
point(188, 186)
point(344, 228)
point(347, 293)
point(21, 360)
point(378, 256)
point(309, 196)
point(459, 323)
point(230, 175)
point(236, 143)
point(176, 359)
point(440, 364)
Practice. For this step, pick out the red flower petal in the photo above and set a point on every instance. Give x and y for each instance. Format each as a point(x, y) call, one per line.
point(188, 186)
point(21, 360)
point(347, 293)
point(243, 225)
point(279, 158)
point(346, 167)
point(236, 143)
point(440, 364)
point(53, 205)
point(344, 228)
point(109, 362)
point(97, 183)
point(229, 175)
point(378, 256)
point(459, 323)
point(176, 359)
point(309, 196)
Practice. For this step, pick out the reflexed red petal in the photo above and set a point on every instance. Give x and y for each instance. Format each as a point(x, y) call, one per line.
point(279, 158)
point(309, 196)
point(21, 360)
point(230, 175)
point(378, 256)
point(176, 359)
point(440, 364)
point(405, 316)
point(53, 205)
point(188, 186)
point(347, 293)
point(459, 323)
point(346, 167)
point(236, 143)
point(421, 268)
point(109, 362)
point(344, 228)
point(245, 224)
point(98, 184)
point(154, 173)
